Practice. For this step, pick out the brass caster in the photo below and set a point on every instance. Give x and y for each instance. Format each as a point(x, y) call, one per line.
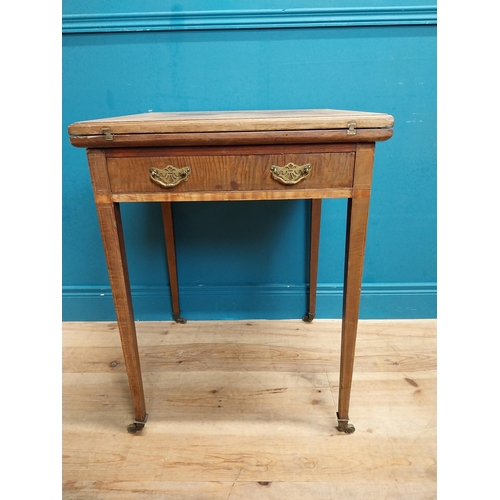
point(178, 319)
point(137, 425)
point(133, 428)
point(308, 317)
point(344, 425)
point(348, 429)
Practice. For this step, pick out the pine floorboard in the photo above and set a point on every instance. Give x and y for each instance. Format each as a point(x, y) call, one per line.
point(246, 410)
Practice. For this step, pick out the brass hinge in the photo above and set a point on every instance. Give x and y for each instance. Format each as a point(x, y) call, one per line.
point(108, 136)
point(351, 130)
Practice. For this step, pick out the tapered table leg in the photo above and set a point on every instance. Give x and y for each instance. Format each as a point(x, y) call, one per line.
point(114, 248)
point(313, 258)
point(168, 227)
point(357, 219)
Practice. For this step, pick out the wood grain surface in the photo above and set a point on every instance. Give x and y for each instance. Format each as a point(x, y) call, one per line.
point(231, 173)
point(231, 138)
point(246, 409)
point(230, 121)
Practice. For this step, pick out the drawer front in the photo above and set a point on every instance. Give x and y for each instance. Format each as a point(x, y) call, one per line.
point(231, 173)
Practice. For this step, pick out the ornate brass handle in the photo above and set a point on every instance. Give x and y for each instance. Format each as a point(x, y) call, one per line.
point(169, 176)
point(290, 173)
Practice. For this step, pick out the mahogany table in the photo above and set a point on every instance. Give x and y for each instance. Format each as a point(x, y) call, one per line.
point(233, 155)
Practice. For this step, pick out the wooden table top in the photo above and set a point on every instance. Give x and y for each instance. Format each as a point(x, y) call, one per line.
point(233, 121)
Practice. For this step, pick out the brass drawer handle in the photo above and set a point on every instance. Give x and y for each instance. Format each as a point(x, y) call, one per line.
point(290, 173)
point(169, 176)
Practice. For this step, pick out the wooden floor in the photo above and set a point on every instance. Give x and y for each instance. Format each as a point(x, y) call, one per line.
point(246, 410)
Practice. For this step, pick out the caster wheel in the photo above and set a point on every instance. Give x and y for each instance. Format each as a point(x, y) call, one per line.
point(137, 425)
point(345, 427)
point(133, 428)
point(308, 318)
point(178, 319)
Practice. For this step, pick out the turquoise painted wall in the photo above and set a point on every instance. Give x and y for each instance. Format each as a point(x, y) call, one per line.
point(245, 260)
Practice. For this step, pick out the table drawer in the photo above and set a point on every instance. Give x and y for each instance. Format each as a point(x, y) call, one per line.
point(231, 172)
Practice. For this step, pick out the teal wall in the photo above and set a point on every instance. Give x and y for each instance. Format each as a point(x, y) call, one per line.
point(243, 260)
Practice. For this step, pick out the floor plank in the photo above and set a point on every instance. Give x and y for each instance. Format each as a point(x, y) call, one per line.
point(243, 410)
